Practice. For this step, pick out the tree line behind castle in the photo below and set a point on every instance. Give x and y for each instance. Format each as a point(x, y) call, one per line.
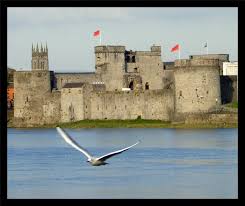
point(125, 85)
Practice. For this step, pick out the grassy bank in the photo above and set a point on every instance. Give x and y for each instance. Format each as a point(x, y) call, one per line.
point(138, 124)
point(233, 105)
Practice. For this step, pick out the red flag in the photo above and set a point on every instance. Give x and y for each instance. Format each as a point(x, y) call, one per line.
point(175, 48)
point(97, 33)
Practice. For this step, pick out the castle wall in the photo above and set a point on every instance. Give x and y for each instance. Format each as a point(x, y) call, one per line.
point(168, 79)
point(34, 102)
point(52, 108)
point(150, 68)
point(132, 68)
point(197, 85)
point(221, 57)
point(168, 65)
point(72, 102)
point(26, 85)
point(113, 77)
point(156, 104)
point(87, 91)
point(63, 78)
point(134, 78)
point(110, 64)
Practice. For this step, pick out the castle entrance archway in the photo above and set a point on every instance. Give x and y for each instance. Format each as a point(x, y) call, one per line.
point(131, 85)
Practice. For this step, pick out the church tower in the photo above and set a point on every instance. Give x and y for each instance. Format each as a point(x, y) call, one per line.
point(40, 58)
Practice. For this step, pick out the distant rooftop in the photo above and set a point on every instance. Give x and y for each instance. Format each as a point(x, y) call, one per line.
point(73, 85)
point(74, 72)
point(168, 63)
point(11, 85)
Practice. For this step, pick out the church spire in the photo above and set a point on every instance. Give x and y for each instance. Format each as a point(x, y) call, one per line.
point(46, 47)
point(32, 49)
point(37, 50)
point(40, 56)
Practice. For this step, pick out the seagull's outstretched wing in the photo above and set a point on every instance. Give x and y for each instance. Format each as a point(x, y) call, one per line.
point(72, 142)
point(105, 157)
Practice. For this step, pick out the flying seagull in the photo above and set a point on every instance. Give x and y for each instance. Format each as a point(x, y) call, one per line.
point(95, 161)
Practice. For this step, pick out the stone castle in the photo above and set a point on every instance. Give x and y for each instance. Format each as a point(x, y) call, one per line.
point(125, 85)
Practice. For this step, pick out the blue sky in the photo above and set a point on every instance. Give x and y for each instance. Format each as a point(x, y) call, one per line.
point(69, 33)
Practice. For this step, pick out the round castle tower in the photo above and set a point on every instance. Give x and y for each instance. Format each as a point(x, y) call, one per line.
point(197, 85)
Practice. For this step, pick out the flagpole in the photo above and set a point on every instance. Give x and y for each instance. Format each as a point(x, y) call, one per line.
point(179, 52)
point(100, 37)
point(207, 47)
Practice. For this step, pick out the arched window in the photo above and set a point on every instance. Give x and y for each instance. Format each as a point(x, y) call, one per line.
point(133, 58)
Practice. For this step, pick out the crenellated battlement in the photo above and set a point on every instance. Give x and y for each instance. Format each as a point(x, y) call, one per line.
point(155, 48)
point(148, 53)
point(221, 57)
point(109, 49)
point(196, 62)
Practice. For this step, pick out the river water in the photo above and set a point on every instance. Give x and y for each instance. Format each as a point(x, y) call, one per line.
point(168, 163)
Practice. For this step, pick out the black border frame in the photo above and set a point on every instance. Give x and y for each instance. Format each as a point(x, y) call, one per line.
point(4, 4)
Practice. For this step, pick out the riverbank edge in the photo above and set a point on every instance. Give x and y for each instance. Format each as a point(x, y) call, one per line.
point(135, 124)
